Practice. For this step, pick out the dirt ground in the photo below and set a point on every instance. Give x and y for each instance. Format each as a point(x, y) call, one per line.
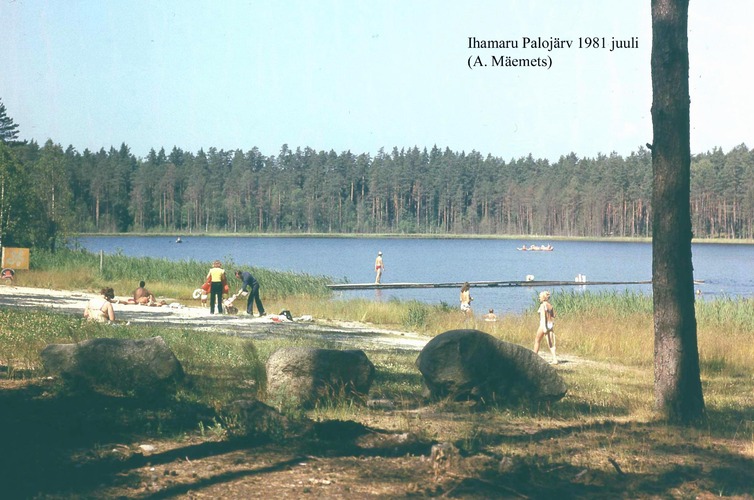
point(58, 444)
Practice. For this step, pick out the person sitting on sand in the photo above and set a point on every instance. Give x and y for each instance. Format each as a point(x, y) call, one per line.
point(143, 296)
point(100, 309)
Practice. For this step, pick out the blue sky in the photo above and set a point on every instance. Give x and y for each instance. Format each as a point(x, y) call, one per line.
point(360, 75)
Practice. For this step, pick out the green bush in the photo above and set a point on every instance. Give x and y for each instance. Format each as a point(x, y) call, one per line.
point(416, 314)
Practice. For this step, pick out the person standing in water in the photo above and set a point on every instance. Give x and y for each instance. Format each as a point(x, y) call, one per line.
point(379, 266)
point(546, 325)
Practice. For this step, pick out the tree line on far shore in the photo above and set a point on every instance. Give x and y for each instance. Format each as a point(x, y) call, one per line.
point(48, 191)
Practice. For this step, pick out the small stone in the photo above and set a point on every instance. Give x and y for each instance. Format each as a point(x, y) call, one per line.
point(384, 404)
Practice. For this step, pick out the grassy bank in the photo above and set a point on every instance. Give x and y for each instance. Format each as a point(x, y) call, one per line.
point(82, 270)
point(606, 326)
point(610, 327)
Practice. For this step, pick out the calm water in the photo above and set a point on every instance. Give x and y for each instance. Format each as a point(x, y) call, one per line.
point(725, 269)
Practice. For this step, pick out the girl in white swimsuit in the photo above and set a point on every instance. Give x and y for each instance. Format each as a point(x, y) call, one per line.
point(100, 309)
point(546, 325)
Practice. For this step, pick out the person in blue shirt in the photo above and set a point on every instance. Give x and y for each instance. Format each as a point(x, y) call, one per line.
point(248, 281)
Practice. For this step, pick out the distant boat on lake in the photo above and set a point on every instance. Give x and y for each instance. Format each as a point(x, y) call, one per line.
point(536, 248)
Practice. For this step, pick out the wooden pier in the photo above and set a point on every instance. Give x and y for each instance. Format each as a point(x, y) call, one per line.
point(491, 284)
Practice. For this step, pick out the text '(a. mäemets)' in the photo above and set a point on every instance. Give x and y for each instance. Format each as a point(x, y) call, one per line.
point(475, 61)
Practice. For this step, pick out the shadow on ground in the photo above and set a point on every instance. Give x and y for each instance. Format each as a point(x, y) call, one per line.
point(63, 444)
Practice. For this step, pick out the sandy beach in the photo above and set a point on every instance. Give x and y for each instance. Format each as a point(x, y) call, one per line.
point(179, 315)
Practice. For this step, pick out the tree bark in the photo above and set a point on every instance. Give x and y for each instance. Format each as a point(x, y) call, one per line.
point(677, 387)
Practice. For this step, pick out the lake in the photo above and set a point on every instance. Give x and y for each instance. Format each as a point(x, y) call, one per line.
point(725, 269)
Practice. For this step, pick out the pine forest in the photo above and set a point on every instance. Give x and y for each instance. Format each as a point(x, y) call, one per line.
point(47, 191)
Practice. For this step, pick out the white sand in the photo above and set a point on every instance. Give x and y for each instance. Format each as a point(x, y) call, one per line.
point(191, 316)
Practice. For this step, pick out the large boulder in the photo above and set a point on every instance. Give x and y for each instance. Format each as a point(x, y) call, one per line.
point(142, 366)
point(469, 364)
point(304, 375)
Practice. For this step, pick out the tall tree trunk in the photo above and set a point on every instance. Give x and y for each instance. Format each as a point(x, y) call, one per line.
point(677, 387)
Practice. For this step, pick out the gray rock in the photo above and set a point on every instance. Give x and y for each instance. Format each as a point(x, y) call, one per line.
point(141, 366)
point(305, 375)
point(469, 364)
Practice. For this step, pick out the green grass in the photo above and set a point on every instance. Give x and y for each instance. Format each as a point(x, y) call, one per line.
point(221, 362)
point(609, 326)
point(222, 368)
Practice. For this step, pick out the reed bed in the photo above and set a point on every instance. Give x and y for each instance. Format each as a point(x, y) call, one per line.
point(79, 269)
point(618, 326)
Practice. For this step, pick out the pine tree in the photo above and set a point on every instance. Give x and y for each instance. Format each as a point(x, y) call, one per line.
point(678, 387)
point(8, 129)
